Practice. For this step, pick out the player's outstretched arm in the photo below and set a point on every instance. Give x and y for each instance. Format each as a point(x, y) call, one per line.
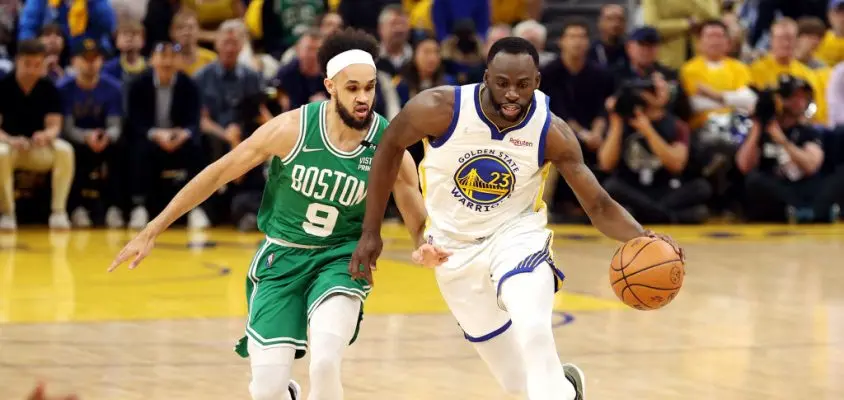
point(563, 149)
point(426, 114)
point(270, 139)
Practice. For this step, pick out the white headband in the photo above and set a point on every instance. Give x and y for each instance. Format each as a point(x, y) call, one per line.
point(345, 59)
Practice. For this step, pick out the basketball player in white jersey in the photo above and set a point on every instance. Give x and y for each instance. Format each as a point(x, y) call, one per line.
point(488, 149)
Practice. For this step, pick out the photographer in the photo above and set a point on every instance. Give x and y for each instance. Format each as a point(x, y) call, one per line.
point(781, 158)
point(646, 151)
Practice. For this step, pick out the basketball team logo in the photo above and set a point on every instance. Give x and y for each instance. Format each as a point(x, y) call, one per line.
point(483, 182)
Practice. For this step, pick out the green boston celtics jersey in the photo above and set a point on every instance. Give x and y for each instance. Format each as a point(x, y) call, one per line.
point(315, 195)
point(296, 16)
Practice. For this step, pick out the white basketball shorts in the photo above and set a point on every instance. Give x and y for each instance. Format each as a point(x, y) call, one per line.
point(470, 281)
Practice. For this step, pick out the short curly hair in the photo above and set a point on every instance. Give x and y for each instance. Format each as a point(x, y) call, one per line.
point(345, 40)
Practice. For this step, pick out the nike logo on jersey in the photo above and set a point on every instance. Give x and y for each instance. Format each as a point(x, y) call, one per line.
point(309, 150)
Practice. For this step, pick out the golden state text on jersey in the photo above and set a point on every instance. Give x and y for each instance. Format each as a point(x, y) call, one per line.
point(475, 177)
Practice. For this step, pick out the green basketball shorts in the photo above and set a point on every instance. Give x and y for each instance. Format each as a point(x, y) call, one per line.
point(284, 287)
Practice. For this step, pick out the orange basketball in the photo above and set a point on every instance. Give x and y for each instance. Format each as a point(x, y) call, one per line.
point(646, 273)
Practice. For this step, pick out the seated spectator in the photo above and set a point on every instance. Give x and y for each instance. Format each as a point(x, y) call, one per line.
point(716, 84)
point(423, 72)
point(831, 49)
point(781, 159)
point(54, 43)
point(129, 63)
point(224, 85)
point(210, 14)
point(463, 54)
point(646, 151)
point(496, 33)
point(301, 81)
point(163, 113)
point(536, 34)
point(394, 33)
point(642, 63)
point(184, 30)
point(608, 50)
point(578, 89)
point(765, 71)
point(92, 105)
point(31, 114)
point(77, 19)
point(676, 21)
point(810, 33)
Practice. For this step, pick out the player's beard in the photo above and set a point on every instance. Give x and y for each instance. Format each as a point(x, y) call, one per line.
point(523, 108)
point(349, 119)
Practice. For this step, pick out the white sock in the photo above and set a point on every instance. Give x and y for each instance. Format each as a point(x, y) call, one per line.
point(332, 326)
point(270, 371)
point(503, 356)
point(529, 298)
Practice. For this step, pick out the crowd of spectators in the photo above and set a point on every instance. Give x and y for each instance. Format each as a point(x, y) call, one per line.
point(110, 106)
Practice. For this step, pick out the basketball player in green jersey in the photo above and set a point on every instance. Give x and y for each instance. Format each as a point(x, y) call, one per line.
point(299, 290)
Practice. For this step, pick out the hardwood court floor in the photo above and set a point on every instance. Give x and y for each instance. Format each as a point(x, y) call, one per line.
point(761, 316)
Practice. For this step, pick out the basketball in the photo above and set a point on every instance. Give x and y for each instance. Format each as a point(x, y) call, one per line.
point(646, 273)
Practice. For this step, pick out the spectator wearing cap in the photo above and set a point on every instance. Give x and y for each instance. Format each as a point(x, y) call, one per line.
point(92, 109)
point(31, 114)
point(578, 89)
point(782, 158)
point(608, 49)
point(184, 30)
point(163, 115)
point(676, 22)
point(642, 49)
point(130, 63)
point(715, 83)
point(780, 60)
point(301, 82)
point(831, 49)
point(77, 19)
point(536, 34)
point(224, 86)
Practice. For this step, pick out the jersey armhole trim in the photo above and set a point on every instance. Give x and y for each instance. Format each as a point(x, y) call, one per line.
point(455, 116)
point(544, 134)
point(300, 139)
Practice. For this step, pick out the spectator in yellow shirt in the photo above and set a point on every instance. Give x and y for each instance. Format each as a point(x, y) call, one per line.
point(184, 30)
point(765, 72)
point(810, 33)
point(831, 50)
point(714, 82)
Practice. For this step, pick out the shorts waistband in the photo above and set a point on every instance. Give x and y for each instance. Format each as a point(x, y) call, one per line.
point(285, 243)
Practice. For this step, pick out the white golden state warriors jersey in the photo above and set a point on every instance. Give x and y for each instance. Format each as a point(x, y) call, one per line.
point(475, 178)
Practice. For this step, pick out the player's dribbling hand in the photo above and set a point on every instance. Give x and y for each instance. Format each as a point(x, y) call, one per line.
point(366, 253)
point(137, 249)
point(430, 256)
point(669, 240)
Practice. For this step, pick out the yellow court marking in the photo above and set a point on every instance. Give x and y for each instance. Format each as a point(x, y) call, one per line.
point(48, 277)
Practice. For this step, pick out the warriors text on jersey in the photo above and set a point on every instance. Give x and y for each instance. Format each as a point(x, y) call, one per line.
point(477, 177)
point(315, 195)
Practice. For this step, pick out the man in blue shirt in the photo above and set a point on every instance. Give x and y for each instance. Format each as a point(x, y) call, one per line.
point(92, 108)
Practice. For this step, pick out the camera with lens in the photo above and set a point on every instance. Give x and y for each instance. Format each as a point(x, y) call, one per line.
point(629, 96)
point(769, 103)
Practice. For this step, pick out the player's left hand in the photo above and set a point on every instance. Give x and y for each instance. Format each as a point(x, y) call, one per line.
point(430, 256)
point(672, 242)
point(366, 253)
